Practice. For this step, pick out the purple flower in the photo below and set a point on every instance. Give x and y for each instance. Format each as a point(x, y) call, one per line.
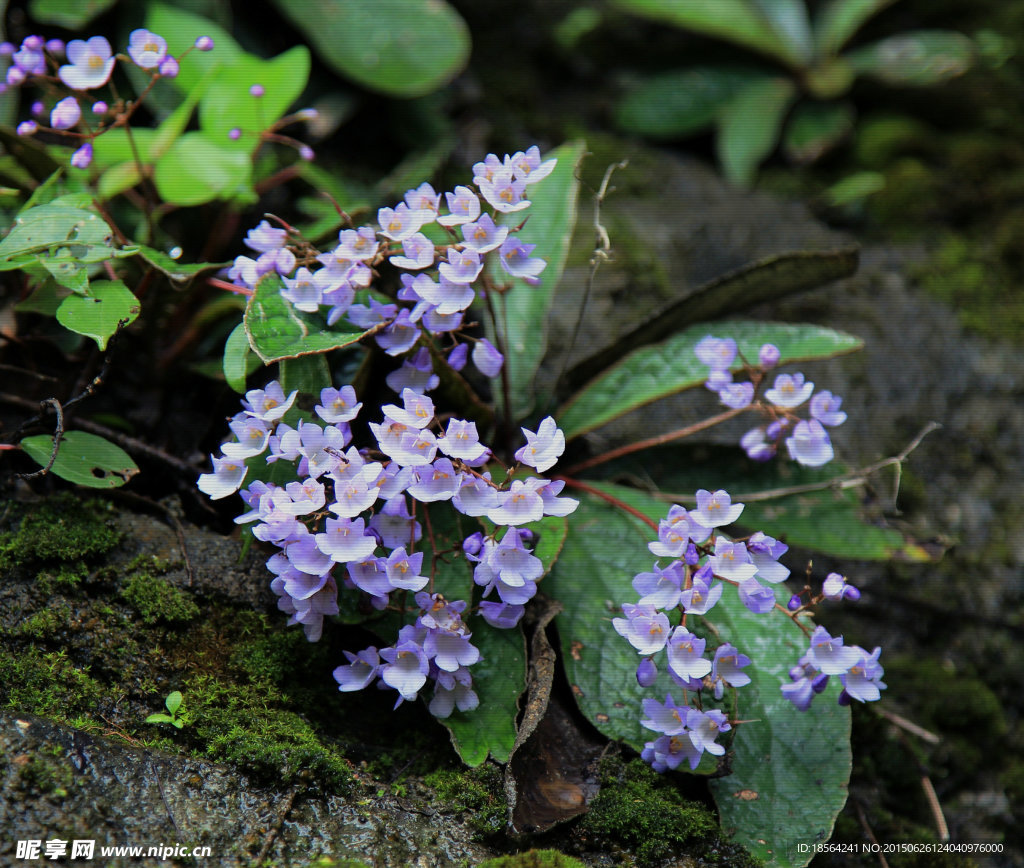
point(660, 588)
point(487, 359)
point(501, 615)
point(768, 356)
point(810, 445)
point(717, 353)
point(360, 671)
point(835, 587)
point(345, 540)
point(65, 114)
point(727, 668)
point(669, 751)
point(646, 672)
point(825, 408)
point(147, 49)
point(169, 67)
point(90, 64)
point(204, 43)
point(828, 654)
point(731, 561)
point(685, 652)
point(737, 395)
point(516, 260)
point(463, 207)
point(406, 668)
point(756, 597)
point(644, 627)
point(542, 449)
point(715, 509)
point(789, 391)
point(864, 679)
point(666, 718)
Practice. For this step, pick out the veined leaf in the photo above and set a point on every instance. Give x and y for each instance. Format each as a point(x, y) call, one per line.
point(655, 372)
point(99, 314)
point(764, 280)
point(278, 331)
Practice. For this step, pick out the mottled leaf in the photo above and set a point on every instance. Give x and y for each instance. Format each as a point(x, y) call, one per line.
point(815, 128)
point(918, 58)
point(655, 372)
point(278, 331)
point(83, 459)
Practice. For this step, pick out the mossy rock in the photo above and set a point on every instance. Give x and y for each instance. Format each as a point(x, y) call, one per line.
point(533, 859)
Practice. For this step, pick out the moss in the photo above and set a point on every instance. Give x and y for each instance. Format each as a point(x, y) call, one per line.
point(234, 724)
point(156, 600)
point(644, 812)
point(62, 528)
point(533, 859)
point(45, 623)
point(45, 683)
point(477, 793)
point(64, 577)
point(45, 773)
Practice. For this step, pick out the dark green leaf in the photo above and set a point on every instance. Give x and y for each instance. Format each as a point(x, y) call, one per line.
point(781, 755)
point(278, 331)
point(83, 459)
point(401, 48)
point(195, 170)
point(682, 102)
point(765, 280)
point(307, 374)
point(64, 222)
point(815, 128)
point(552, 218)
point(664, 369)
point(98, 314)
point(69, 14)
point(838, 20)
point(749, 126)
point(853, 188)
point(737, 21)
point(918, 58)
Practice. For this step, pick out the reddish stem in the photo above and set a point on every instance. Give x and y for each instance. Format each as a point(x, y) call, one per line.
point(614, 501)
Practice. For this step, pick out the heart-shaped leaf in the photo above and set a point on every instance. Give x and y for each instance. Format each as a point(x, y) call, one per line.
point(83, 459)
point(97, 315)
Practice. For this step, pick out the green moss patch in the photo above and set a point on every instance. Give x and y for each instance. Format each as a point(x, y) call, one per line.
point(478, 793)
point(62, 528)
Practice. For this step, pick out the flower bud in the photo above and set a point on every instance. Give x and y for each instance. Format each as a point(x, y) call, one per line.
point(851, 593)
point(204, 43)
point(65, 114)
point(794, 603)
point(27, 128)
point(819, 682)
point(646, 672)
point(768, 356)
point(55, 46)
point(257, 90)
point(168, 67)
point(82, 158)
point(306, 153)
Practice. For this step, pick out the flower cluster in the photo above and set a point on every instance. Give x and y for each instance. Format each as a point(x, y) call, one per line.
point(437, 280)
point(90, 63)
point(349, 519)
point(703, 561)
point(806, 440)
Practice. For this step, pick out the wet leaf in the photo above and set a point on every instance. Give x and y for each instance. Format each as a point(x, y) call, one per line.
point(179, 272)
point(278, 331)
point(64, 222)
point(98, 314)
point(655, 372)
point(401, 48)
point(83, 459)
point(765, 280)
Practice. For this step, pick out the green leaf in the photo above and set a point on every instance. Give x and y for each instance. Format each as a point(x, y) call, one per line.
point(181, 29)
point(179, 272)
point(228, 105)
point(173, 701)
point(83, 459)
point(159, 717)
point(786, 762)
point(919, 58)
point(737, 21)
point(236, 358)
point(498, 680)
point(853, 188)
point(69, 14)
point(664, 369)
point(552, 218)
point(278, 331)
point(64, 222)
point(66, 271)
point(790, 768)
point(765, 280)
point(788, 19)
point(748, 127)
point(402, 48)
point(816, 128)
point(682, 102)
point(98, 314)
point(196, 170)
point(838, 20)
point(307, 374)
